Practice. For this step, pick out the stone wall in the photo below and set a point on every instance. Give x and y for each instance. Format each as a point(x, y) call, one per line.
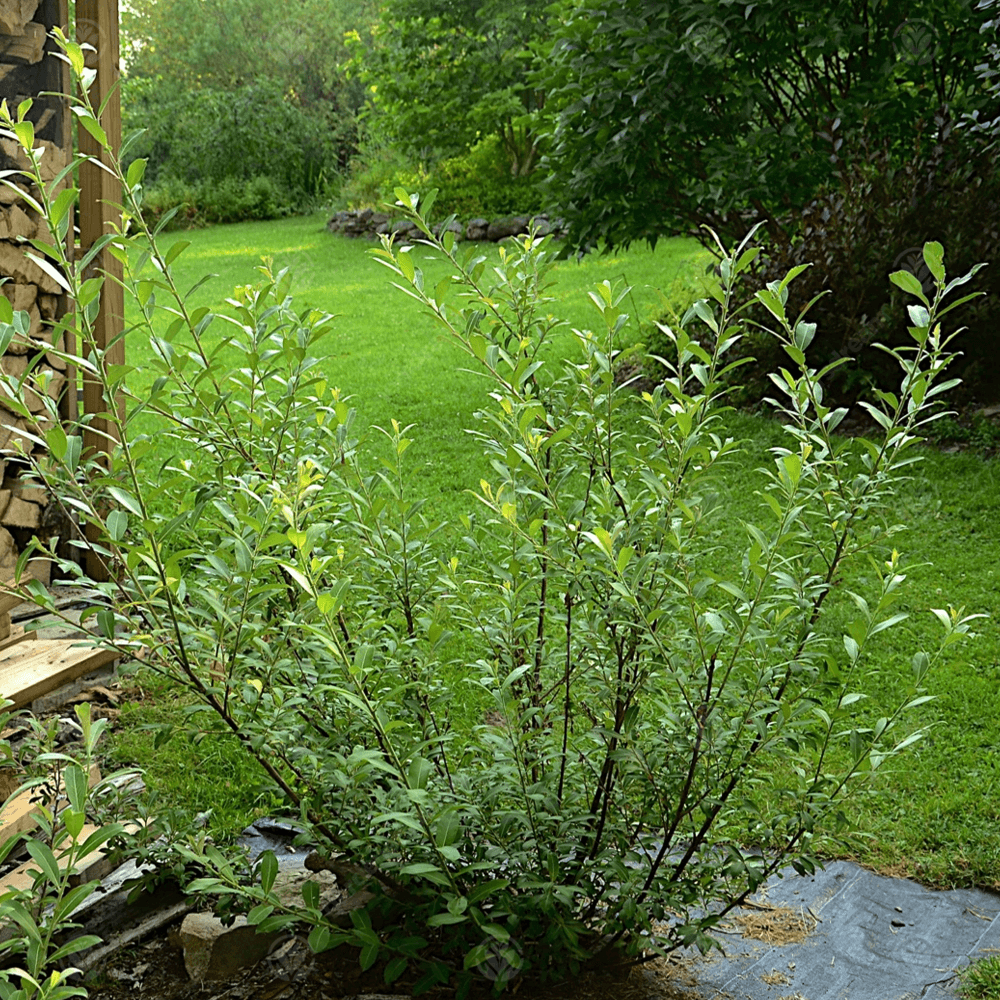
point(27, 69)
point(371, 224)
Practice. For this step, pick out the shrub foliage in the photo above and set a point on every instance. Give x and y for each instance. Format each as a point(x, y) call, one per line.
point(873, 218)
point(653, 714)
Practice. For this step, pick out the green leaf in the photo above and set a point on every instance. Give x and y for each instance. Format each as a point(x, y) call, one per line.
point(406, 265)
point(91, 124)
point(369, 955)
point(126, 499)
point(117, 525)
point(908, 282)
point(268, 870)
point(419, 868)
point(395, 968)
point(934, 259)
point(136, 170)
point(299, 577)
point(76, 787)
point(45, 859)
point(443, 919)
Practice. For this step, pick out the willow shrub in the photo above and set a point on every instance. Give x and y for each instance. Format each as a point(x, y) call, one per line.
point(647, 697)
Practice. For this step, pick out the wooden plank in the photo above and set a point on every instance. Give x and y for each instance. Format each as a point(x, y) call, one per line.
point(21, 814)
point(9, 599)
point(94, 865)
point(29, 671)
point(97, 26)
point(17, 634)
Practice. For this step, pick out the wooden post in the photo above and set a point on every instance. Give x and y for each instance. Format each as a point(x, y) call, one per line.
point(97, 25)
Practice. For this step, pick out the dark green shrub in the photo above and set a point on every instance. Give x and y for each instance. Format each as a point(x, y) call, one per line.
point(219, 141)
point(477, 183)
point(871, 221)
point(230, 199)
point(480, 183)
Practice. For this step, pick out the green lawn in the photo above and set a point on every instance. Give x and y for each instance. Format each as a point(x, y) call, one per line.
point(936, 815)
point(392, 359)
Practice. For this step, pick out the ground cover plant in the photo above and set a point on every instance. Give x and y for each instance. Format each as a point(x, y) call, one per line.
point(658, 711)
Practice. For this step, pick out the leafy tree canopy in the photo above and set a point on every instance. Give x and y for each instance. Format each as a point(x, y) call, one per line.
point(673, 113)
point(227, 44)
point(447, 73)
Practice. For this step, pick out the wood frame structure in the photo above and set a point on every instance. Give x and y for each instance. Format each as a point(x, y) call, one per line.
point(100, 198)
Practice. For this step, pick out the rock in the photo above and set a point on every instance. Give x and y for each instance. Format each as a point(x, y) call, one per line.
point(21, 514)
point(512, 225)
point(212, 951)
point(288, 886)
point(339, 221)
point(453, 227)
point(542, 225)
point(403, 227)
point(477, 229)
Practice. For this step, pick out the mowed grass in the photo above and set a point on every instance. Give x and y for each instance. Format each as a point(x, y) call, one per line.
point(934, 813)
point(393, 359)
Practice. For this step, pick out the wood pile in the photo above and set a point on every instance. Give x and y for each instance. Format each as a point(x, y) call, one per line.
point(27, 69)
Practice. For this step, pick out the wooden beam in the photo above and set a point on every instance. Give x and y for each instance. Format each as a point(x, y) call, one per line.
point(68, 402)
point(100, 196)
point(30, 670)
point(20, 814)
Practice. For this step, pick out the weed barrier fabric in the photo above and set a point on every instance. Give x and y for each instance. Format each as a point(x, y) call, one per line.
point(863, 937)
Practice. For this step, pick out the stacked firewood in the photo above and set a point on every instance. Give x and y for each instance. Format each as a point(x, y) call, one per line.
point(27, 69)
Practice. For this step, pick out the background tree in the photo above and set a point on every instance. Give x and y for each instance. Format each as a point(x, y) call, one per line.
point(448, 73)
point(989, 72)
point(232, 91)
point(670, 114)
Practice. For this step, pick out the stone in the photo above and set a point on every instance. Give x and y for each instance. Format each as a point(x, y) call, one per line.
point(12, 439)
point(33, 494)
point(511, 225)
point(214, 952)
point(53, 159)
point(453, 227)
point(477, 229)
point(542, 225)
point(403, 227)
point(8, 555)
point(288, 886)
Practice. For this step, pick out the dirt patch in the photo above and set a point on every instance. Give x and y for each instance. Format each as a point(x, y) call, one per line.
point(155, 970)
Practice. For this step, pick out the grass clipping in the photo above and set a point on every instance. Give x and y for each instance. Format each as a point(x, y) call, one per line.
point(776, 925)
